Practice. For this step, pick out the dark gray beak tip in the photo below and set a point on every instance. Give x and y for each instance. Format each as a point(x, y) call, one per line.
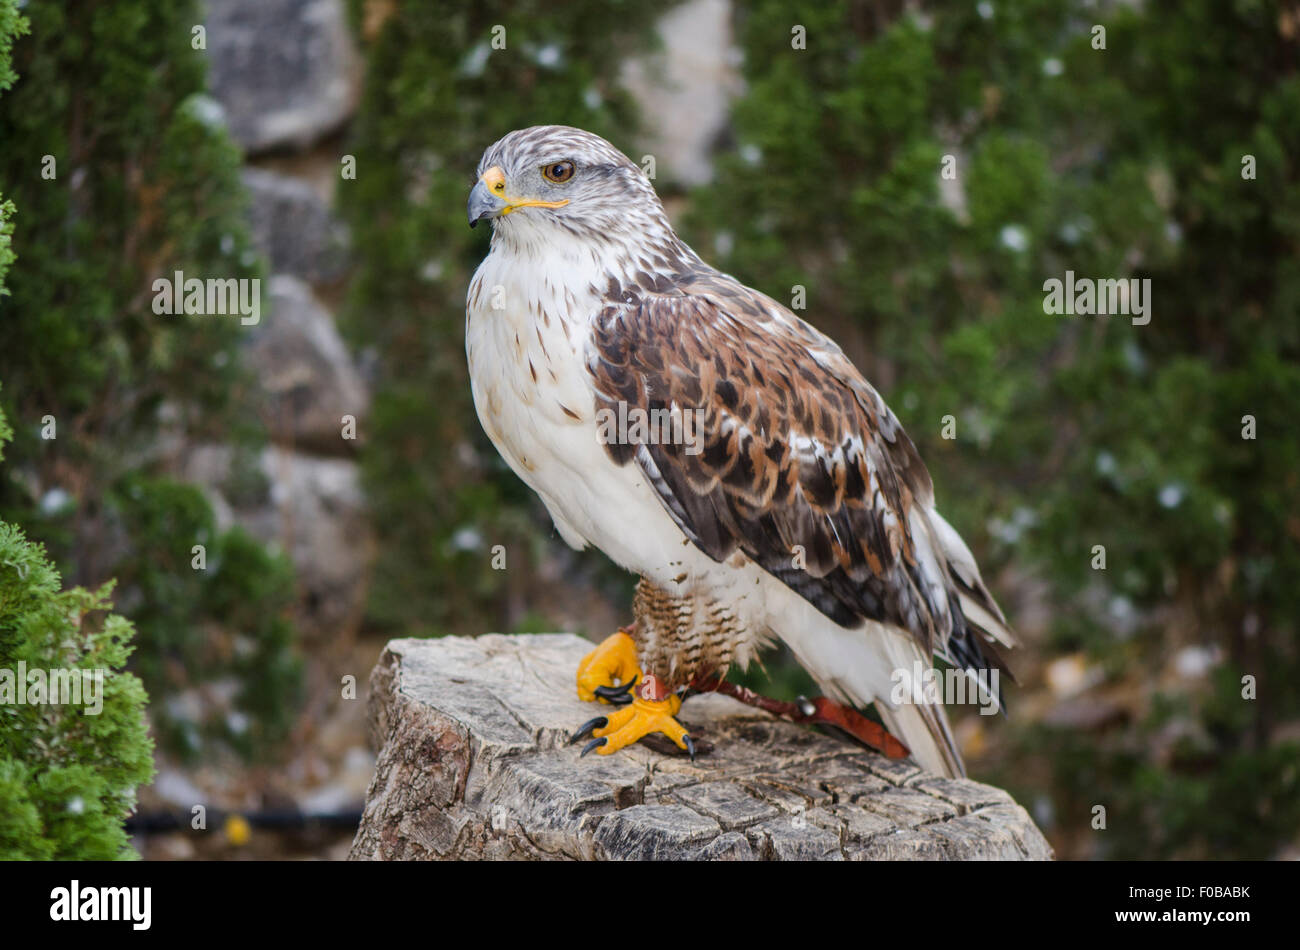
point(483, 204)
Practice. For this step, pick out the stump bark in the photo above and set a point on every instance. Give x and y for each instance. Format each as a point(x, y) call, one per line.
point(473, 764)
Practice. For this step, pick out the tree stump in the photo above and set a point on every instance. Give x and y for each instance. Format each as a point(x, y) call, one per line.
point(473, 764)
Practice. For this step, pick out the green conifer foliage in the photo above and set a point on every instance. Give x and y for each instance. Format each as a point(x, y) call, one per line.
point(123, 173)
point(68, 775)
point(12, 26)
point(67, 778)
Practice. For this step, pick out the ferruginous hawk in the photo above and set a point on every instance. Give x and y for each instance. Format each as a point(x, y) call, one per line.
point(707, 439)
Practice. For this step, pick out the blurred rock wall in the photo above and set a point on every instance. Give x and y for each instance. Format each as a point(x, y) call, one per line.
point(288, 76)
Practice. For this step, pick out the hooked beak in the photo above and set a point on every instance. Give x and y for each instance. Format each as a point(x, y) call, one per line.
point(484, 204)
point(488, 198)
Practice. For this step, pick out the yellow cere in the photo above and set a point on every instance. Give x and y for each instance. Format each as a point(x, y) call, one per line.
point(495, 179)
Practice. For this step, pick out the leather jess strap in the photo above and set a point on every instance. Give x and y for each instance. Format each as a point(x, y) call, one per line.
point(818, 711)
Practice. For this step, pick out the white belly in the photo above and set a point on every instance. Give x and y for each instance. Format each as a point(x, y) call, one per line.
point(534, 401)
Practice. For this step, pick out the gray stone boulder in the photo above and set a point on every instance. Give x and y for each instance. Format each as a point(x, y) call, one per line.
point(294, 229)
point(286, 71)
point(695, 72)
point(318, 515)
point(307, 375)
point(473, 764)
point(313, 509)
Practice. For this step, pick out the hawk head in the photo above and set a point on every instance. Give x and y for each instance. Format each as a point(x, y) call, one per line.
point(553, 178)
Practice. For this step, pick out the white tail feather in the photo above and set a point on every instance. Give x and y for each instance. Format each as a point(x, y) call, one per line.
point(926, 733)
point(922, 727)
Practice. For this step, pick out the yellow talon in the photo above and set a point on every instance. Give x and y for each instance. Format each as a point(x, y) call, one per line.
point(640, 719)
point(651, 709)
point(614, 659)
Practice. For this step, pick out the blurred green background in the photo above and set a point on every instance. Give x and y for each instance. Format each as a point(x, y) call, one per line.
point(1156, 141)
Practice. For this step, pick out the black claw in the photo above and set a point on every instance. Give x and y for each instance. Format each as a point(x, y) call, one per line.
point(600, 722)
point(594, 744)
point(690, 745)
point(617, 695)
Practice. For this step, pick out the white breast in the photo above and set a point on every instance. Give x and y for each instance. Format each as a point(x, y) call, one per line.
point(523, 342)
point(536, 404)
point(526, 327)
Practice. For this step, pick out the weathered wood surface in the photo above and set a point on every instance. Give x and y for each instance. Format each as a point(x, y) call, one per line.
point(473, 764)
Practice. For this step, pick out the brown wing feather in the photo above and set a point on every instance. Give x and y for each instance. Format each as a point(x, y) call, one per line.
point(800, 454)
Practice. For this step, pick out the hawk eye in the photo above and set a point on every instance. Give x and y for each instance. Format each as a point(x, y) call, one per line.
point(558, 172)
